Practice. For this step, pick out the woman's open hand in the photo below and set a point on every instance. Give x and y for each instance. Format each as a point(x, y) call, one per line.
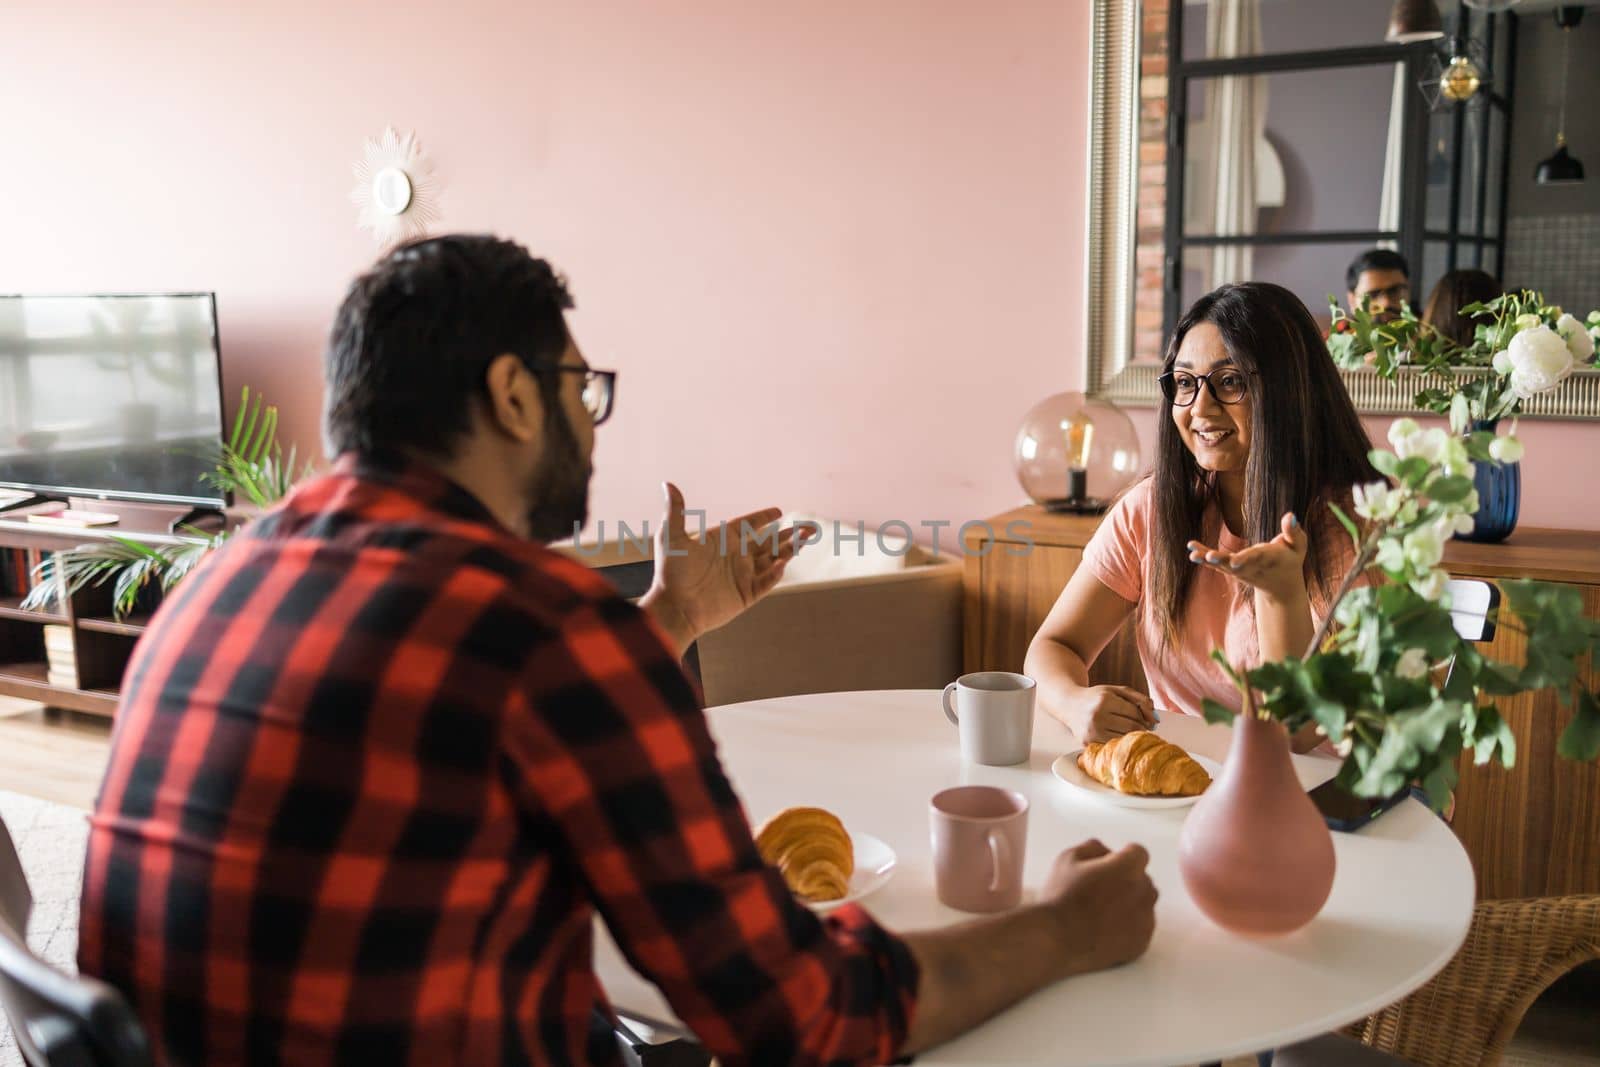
point(1275, 567)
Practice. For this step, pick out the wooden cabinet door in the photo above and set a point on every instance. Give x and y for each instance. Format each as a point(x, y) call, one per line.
point(1015, 592)
point(1533, 830)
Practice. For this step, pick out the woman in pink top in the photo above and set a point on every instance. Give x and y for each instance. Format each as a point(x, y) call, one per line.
point(1256, 432)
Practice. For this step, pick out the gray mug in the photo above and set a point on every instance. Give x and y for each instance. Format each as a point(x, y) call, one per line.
point(993, 710)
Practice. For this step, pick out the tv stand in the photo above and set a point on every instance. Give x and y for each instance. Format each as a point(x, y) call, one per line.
point(202, 518)
point(101, 642)
point(32, 499)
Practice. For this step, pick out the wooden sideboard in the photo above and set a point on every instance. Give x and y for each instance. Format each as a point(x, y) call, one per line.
point(1533, 830)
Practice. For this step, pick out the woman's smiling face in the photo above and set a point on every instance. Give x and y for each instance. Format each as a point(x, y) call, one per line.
point(1216, 434)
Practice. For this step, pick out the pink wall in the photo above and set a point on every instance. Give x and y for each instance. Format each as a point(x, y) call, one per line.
point(835, 249)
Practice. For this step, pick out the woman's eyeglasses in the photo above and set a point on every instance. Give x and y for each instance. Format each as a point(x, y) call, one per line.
point(1228, 386)
point(599, 390)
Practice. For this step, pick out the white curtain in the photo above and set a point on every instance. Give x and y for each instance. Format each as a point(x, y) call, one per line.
point(1236, 113)
point(1389, 199)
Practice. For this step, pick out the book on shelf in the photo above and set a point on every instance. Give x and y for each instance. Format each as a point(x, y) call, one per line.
point(61, 658)
point(19, 569)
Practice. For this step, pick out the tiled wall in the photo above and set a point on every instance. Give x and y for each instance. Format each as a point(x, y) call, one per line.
point(1559, 255)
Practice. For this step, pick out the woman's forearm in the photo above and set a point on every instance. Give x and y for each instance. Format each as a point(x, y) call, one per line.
point(1283, 628)
point(1059, 671)
point(1283, 625)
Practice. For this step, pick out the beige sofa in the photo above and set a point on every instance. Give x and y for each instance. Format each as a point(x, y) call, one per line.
point(897, 630)
point(894, 630)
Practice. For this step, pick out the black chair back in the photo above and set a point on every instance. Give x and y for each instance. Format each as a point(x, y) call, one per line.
point(679, 1050)
point(59, 1020)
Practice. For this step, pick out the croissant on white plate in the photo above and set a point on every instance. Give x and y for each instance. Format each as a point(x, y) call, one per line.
point(812, 851)
point(1142, 764)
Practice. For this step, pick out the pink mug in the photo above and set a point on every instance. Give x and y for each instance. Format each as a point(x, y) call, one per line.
point(980, 835)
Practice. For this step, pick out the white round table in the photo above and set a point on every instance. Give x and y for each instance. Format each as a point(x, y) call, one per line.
point(1401, 902)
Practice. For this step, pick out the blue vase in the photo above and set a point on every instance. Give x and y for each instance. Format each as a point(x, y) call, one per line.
point(1499, 488)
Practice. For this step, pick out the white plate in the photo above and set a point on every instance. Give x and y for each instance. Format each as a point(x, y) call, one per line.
point(1066, 768)
point(874, 864)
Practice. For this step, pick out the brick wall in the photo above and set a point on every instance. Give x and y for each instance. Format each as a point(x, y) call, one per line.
point(1151, 217)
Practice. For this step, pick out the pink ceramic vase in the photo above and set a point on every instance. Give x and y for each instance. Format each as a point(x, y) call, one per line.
point(1255, 854)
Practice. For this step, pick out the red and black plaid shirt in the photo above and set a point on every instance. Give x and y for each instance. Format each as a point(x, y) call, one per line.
point(378, 763)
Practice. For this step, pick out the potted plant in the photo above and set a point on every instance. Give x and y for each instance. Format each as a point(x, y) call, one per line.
point(250, 464)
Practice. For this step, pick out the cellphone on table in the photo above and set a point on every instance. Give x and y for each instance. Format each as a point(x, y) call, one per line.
point(1345, 811)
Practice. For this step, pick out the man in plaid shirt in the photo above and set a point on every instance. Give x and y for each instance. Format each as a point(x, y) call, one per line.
point(382, 758)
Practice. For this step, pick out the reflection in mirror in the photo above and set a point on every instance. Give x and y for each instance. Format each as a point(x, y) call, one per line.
point(1260, 161)
point(1277, 140)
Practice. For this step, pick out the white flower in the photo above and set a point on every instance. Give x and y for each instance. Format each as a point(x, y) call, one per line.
point(1505, 449)
point(1391, 555)
point(1376, 501)
point(1540, 361)
point(1413, 664)
point(1432, 586)
point(1501, 362)
point(1424, 548)
point(1472, 503)
point(1579, 343)
point(1400, 429)
point(1432, 444)
point(1464, 524)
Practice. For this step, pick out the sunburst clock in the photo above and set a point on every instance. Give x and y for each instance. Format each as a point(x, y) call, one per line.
point(396, 191)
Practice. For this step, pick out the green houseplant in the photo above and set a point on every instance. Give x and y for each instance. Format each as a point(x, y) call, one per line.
point(250, 464)
point(1373, 679)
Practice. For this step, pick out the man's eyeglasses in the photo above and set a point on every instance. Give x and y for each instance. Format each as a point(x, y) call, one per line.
point(599, 390)
point(1228, 385)
point(1394, 294)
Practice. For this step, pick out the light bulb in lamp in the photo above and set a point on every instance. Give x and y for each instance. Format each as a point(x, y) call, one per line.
point(1079, 431)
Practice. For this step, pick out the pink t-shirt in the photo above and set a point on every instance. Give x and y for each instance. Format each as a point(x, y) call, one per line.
point(1219, 615)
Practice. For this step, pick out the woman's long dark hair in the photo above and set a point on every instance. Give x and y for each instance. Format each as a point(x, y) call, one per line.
point(1307, 445)
point(1455, 291)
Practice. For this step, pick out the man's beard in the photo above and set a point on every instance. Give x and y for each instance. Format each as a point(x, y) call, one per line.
point(558, 493)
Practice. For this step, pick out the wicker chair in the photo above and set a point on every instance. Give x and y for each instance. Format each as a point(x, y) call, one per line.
point(1467, 1015)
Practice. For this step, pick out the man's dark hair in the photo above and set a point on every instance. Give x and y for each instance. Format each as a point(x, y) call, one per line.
point(1374, 259)
point(413, 340)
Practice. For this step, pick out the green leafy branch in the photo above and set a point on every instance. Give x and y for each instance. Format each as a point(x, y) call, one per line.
point(131, 567)
point(1387, 678)
point(251, 463)
point(1480, 382)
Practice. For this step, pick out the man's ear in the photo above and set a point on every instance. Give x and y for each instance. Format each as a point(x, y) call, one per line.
point(515, 406)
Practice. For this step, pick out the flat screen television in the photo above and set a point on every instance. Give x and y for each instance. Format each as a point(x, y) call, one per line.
point(113, 397)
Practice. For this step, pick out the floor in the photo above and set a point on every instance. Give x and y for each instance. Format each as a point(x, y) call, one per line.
point(53, 755)
point(59, 757)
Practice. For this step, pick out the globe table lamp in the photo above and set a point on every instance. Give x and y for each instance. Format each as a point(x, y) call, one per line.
point(1074, 454)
